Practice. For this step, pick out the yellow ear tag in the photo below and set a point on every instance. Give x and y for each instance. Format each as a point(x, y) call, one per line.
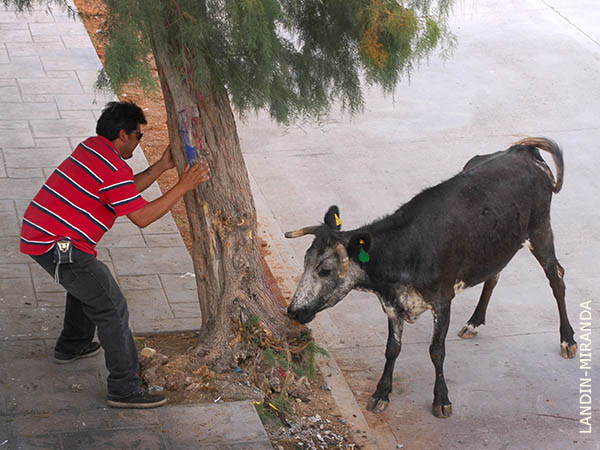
point(338, 221)
point(361, 242)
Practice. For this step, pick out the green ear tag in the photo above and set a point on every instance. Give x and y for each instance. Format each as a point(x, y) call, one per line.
point(363, 256)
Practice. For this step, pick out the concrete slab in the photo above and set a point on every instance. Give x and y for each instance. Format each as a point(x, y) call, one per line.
point(30, 323)
point(147, 261)
point(231, 425)
point(163, 240)
point(15, 133)
point(9, 111)
point(13, 270)
point(9, 251)
point(71, 59)
point(186, 310)
point(143, 327)
point(123, 235)
point(224, 426)
point(61, 127)
point(8, 224)
point(27, 349)
point(138, 300)
point(19, 49)
point(15, 35)
point(39, 156)
point(135, 282)
point(9, 89)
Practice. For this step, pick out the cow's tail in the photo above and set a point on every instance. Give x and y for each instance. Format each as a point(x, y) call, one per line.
point(551, 147)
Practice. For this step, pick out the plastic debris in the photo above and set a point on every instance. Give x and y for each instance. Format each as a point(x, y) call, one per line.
point(147, 352)
point(237, 370)
point(155, 389)
point(188, 274)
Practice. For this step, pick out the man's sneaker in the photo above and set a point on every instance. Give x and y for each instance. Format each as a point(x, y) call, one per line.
point(63, 358)
point(139, 399)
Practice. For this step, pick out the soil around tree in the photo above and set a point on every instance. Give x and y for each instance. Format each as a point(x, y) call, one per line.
point(306, 416)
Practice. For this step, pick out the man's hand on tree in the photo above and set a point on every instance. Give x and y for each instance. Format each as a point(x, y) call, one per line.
point(191, 177)
point(166, 160)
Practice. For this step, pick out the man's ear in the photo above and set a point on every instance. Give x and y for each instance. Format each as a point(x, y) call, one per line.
point(359, 247)
point(332, 218)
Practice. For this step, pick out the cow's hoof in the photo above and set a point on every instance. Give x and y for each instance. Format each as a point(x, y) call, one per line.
point(568, 351)
point(441, 411)
point(377, 405)
point(468, 331)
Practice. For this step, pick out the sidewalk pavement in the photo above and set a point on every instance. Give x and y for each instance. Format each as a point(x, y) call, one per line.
point(48, 67)
point(520, 68)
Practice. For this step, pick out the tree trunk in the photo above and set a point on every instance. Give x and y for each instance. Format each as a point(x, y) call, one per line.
point(225, 250)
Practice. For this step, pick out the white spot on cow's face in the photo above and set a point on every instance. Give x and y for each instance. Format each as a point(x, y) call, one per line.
point(459, 287)
point(527, 242)
point(320, 286)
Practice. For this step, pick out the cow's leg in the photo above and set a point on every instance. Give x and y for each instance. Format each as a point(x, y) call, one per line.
point(542, 247)
point(478, 318)
point(380, 399)
point(441, 407)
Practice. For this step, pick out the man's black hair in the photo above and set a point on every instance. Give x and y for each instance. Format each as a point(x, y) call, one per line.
point(117, 116)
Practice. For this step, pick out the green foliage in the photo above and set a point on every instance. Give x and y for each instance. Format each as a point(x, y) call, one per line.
point(276, 358)
point(252, 322)
point(266, 414)
point(303, 363)
point(283, 403)
point(294, 58)
point(126, 60)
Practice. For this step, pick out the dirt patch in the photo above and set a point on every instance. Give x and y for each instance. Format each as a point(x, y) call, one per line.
point(295, 407)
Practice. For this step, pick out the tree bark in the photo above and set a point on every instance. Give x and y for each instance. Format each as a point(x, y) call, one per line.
point(225, 250)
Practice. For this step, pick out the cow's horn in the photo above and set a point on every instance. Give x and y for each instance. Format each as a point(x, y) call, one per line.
point(301, 232)
point(344, 261)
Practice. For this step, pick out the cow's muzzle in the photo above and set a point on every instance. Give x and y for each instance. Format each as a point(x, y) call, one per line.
point(301, 315)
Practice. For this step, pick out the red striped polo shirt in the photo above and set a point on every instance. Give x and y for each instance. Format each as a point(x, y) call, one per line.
point(81, 199)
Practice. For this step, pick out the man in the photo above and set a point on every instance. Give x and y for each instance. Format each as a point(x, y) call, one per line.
point(75, 207)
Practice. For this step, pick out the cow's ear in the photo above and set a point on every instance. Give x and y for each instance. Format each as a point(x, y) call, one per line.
point(332, 218)
point(359, 247)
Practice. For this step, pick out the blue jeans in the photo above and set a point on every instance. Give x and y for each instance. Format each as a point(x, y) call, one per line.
point(94, 299)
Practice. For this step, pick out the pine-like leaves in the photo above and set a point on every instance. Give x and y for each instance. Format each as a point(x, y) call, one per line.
point(294, 58)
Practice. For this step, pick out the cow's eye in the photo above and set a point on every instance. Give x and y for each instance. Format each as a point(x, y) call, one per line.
point(324, 272)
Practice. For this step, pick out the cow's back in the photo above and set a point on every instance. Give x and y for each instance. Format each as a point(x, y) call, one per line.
point(470, 226)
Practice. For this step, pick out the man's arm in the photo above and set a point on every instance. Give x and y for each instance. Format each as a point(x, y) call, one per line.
point(144, 179)
point(189, 180)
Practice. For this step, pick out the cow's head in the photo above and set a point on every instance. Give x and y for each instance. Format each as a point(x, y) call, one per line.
point(333, 265)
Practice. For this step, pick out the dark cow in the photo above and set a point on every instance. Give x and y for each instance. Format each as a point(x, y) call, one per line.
point(455, 235)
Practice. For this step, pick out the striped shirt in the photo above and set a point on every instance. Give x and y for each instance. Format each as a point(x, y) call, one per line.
point(81, 199)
